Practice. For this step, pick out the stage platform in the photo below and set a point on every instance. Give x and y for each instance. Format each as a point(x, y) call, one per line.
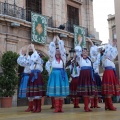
point(70, 113)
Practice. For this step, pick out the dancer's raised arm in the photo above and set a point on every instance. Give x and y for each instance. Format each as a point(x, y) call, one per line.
point(62, 49)
point(52, 49)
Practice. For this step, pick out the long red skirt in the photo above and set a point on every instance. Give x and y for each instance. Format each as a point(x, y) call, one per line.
point(110, 83)
point(73, 87)
point(35, 88)
point(86, 86)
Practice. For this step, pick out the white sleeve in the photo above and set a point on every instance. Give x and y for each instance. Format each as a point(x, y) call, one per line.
point(21, 60)
point(114, 53)
point(78, 51)
point(52, 51)
point(35, 56)
point(96, 67)
point(62, 50)
point(93, 53)
point(110, 52)
point(98, 58)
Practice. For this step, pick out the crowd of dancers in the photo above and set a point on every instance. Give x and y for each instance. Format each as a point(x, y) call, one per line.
point(85, 79)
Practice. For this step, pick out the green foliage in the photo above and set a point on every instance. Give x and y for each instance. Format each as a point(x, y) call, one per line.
point(45, 73)
point(9, 77)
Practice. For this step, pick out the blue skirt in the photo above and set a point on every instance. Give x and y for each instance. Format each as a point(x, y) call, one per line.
point(23, 85)
point(58, 85)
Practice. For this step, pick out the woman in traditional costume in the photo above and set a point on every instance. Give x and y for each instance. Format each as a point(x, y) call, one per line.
point(24, 78)
point(35, 88)
point(86, 83)
point(75, 71)
point(58, 85)
point(110, 82)
point(95, 58)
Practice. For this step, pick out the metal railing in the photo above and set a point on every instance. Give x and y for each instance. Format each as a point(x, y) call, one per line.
point(12, 10)
point(19, 12)
point(24, 14)
point(69, 27)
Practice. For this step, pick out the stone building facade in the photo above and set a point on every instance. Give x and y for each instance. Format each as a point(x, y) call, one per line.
point(58, 11)
point(67, 12)
point(112, 27)
point(113, 35)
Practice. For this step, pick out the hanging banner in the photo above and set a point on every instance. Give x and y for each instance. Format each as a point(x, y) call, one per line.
point(39, 28)
point(79, 31)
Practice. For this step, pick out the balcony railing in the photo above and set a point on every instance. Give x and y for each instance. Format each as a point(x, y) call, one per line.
point(18, 12)
point(24, 14)
point(69, 27)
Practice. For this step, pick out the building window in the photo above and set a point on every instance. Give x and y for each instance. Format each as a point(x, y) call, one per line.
point(33, 5)
point(73, 17)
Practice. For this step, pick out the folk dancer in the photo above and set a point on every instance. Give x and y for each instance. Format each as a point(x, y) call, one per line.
point(25, 77)
point(110, 82)
point(35, 88)
point(58, 85)
point(86, 83)
point(75, 71)
point(95, 57)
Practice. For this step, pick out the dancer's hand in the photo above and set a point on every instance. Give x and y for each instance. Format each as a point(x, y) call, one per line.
point(33, 48)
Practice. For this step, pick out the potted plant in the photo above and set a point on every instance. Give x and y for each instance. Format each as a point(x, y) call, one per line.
point(9, 78)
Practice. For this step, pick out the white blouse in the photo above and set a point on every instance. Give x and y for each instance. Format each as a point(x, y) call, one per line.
point(55, 64)
point(73, 72)
point(108, 63)
point(95, 57)
point(21, 61)
point(52, 51)
point(96, 64)
point(109, 56)
point(82, 62)
point(35, 62)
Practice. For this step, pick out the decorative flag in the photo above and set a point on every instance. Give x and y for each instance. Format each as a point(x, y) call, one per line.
point(79, 31)
point(39, 28)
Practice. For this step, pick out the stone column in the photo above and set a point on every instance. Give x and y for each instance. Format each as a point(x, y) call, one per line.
point(117, 19)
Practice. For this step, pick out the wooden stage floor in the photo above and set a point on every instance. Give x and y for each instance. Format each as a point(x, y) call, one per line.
point(70, 113)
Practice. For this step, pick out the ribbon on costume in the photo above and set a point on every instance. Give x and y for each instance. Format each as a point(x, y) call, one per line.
point(35, 74)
